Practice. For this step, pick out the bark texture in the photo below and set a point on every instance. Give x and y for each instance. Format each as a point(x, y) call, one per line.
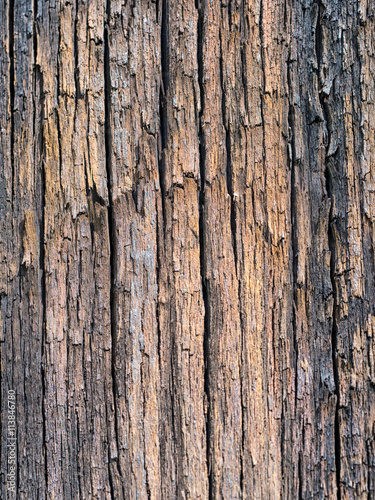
point(187, 280)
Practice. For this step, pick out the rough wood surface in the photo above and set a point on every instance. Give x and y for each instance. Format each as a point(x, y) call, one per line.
point(187, 273)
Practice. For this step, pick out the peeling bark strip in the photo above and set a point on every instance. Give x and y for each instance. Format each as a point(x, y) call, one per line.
point(187, 282)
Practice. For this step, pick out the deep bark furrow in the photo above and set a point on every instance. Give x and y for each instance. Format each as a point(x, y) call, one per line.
point(44, 307)
point(164, 44)
point(262, 83)
point(319, 49)
point(163, 119)
point(112, 241)
point(38, 155)
point(337, 451)
point(205, 285)
point(294, 243)
point(11, 90)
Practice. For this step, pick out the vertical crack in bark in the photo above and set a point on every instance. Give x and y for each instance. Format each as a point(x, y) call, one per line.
point(163, 16)
point(233, 220)
point(38, 78)
point(44, 304)
point(334, 332)
point(59, 136)
point(164, 43)
point(263, 91)
point(293, 212)
point(228, 171)
point(292, 161)
point(244, 36)
point(319, 49)
point(147, 478)
point(160, 240)
point(200, 5)
point(161, 144)
point(35, 68)
point(160, 225)
point(76, 62)
point(358, 102)
point(266, 231)
point(11, 90)
point(112, 239)
point(58, 116)
point(244, 78)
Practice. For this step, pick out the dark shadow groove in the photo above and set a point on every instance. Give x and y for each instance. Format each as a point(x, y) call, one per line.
point(161, 150)
point(11, 90)
point(319, 49)
point(39, 154)
point(165, 44)
point(200, 5)
point(112, 241)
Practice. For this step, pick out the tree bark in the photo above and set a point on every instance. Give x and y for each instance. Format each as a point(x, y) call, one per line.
point(187, 216)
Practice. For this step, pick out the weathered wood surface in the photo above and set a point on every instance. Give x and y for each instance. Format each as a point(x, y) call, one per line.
point(187, 274)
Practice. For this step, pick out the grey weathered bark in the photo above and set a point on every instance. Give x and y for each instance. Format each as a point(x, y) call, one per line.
point(187, 281)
